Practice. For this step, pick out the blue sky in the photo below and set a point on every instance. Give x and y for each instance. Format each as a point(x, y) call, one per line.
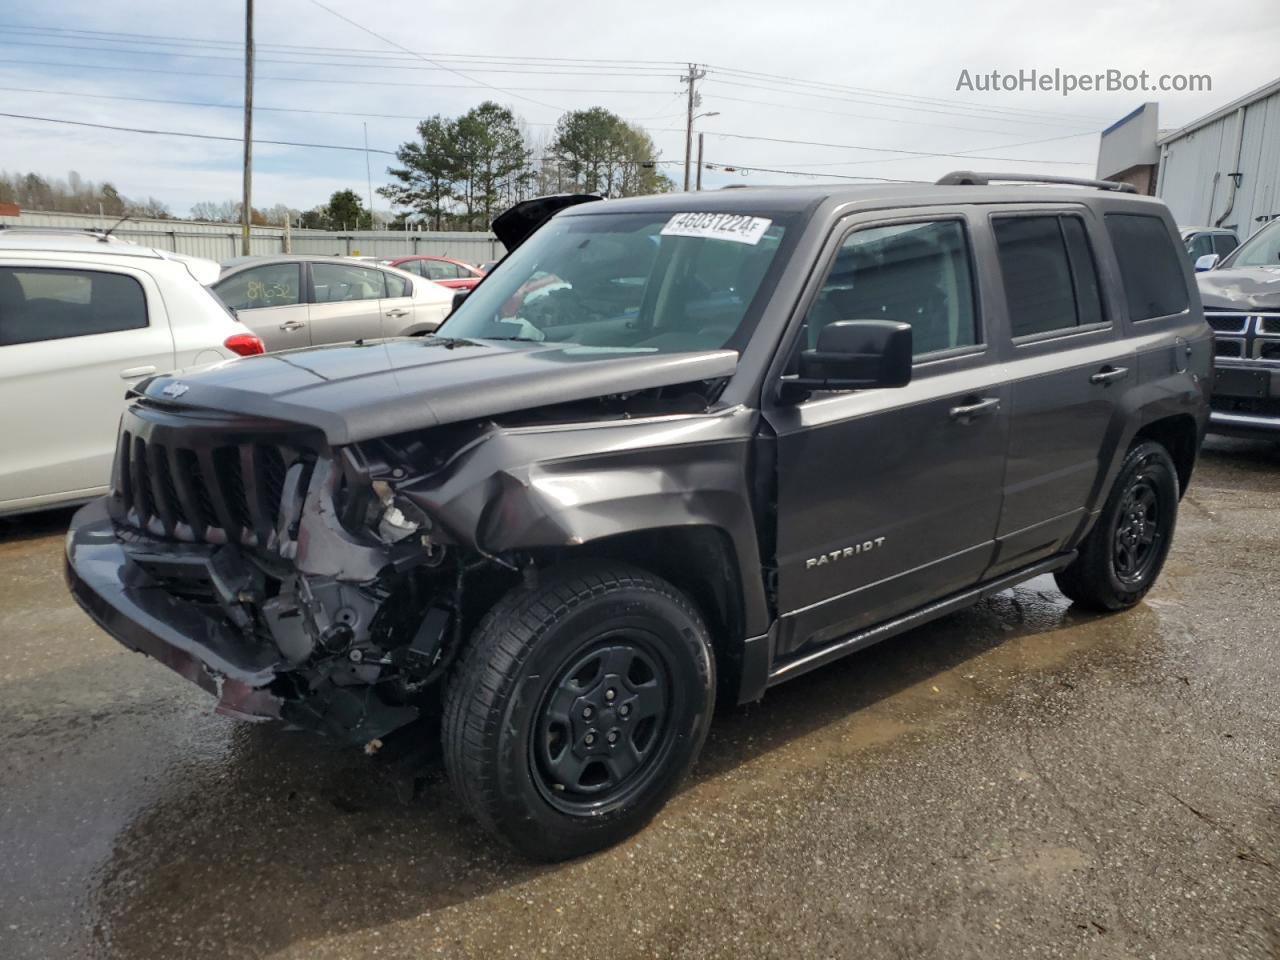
point(909, 54)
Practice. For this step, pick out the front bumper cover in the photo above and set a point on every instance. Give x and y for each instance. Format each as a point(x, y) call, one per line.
point(122, 599)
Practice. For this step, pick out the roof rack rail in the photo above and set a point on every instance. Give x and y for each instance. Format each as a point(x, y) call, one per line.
point(95, 232)
point(971, 178)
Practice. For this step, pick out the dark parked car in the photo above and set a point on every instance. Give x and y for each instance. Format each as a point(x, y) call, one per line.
point(744, 433)
point(1242, 303)
point(1208, 241)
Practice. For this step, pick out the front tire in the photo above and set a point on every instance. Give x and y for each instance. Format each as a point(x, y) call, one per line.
point(1120, 559)
point(577, 707)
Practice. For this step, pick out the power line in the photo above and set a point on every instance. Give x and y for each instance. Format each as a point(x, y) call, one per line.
point(870, 91)
point(863, 116)
point(400, 85)
point(732, 167)
point(372, 33)
point(362, 51)
point(197, 136)
point(260, 109)
point(914, 153)
point(582, 72)
point(661, 66)
point(899, 106)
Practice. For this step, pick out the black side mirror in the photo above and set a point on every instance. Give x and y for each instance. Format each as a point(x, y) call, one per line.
point(857, 354)
point(458, 297)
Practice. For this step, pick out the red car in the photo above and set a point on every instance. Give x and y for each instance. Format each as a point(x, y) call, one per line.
point(453, 274)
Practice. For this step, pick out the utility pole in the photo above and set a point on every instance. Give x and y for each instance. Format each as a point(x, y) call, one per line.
point(368, 177)
point(698, 180)
point(691, 78)
point(246, 212)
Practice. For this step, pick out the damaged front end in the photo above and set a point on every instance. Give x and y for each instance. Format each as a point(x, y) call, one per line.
point(330, 584)
point(285, 577)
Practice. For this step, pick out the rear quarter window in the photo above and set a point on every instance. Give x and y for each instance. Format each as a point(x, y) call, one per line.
point(45, 303)
point(1150, 265)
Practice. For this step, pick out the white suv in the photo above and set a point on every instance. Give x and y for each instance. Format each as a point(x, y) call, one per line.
point(83, 317)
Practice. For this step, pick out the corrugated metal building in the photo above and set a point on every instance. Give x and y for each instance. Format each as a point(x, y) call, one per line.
point(1224, 169)
point(221, 241)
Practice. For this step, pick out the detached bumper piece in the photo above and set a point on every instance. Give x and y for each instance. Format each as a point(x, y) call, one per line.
point(118, 586)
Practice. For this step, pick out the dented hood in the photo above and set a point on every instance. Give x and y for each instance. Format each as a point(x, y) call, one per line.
point(377, 388)
point(1242, 288)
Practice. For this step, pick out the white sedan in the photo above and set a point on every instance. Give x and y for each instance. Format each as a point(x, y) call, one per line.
point(82, 318)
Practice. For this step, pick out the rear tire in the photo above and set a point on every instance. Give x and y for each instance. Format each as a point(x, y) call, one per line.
point(1120, 559)
point(577, 707)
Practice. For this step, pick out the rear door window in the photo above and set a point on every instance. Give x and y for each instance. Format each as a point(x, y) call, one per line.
point(338, 282)
point(39, 303)
point(397, 286)
point(1150, 265)
point(1050, 279)
point(271, 285)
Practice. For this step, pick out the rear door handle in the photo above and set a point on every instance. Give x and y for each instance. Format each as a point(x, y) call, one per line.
point(397, 312)
point(969, 411)
point(133, 373)
point(1109, 374)
point(292, 325)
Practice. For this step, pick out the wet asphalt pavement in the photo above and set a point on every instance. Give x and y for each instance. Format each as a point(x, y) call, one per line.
point(1017, 780)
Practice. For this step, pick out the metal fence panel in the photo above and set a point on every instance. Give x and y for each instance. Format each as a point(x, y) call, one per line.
point(221, 241)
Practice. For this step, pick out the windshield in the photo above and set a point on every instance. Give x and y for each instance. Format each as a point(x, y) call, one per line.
point(1260, 250)
point(628, 282)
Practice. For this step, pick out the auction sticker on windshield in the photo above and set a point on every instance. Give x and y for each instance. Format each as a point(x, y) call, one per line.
point(717, 226)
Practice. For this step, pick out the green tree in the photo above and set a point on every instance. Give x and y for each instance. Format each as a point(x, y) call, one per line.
point(426, 173)
point(346, 212)
point(596, 151)
point(492, 166)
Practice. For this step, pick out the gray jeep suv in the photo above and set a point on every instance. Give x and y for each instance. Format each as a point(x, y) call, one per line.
point(670, 447)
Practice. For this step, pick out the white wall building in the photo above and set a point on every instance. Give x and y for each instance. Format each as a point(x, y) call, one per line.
point(1224, 169)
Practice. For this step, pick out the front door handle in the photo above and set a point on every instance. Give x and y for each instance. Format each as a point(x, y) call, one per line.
point(397, 313)
point(291, 325)
point(1109, 374)
point(979, 408)
point(133, 373)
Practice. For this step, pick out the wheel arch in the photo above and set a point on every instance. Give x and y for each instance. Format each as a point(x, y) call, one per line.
point(1180, 435)
point(699, 560)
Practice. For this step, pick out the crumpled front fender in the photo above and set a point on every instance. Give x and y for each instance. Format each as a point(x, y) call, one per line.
point(526, 488)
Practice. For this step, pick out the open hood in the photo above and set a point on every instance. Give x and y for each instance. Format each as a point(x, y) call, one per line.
point(512, 226)
point(379, 388)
